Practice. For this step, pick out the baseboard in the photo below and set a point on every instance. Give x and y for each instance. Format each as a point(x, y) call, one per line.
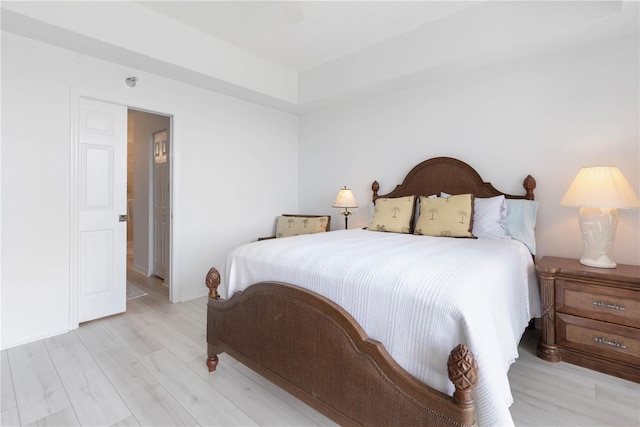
point(6, 346)
point(142, 270)
point(194, 295)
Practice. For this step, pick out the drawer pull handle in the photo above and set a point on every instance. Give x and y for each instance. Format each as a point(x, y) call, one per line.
point(611, 343)
point(612, 306)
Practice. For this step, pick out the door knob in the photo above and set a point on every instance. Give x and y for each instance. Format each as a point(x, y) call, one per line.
point(122, 218)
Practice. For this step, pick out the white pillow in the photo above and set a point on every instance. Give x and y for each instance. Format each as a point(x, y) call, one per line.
point(488, 218)
point(518, 220)
point(370, 215)
point(489, 215)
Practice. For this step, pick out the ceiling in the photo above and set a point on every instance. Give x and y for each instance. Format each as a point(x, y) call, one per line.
point(303, 55)
point(300, 35)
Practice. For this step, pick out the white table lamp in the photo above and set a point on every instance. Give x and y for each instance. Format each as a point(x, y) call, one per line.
point(598, 191)
point(345, 200)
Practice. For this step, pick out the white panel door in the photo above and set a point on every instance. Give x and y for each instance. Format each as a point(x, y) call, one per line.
point(161, 204)
point(102, 234)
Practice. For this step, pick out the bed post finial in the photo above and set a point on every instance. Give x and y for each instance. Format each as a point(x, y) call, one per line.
point(375, 187)
point(529, 185)
point(463, 373)
point(213, 281)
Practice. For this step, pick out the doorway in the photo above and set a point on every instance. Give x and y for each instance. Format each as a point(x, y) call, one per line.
point(112, 152)
point(149, 194)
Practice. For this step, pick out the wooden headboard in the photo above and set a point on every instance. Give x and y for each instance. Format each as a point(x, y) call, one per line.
point(449, 175)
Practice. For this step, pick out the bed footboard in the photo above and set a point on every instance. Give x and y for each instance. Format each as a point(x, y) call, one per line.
point(315, 350)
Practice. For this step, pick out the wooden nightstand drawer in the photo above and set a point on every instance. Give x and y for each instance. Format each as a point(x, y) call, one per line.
point(590, 316)
point(598, 302)
point(608, 340)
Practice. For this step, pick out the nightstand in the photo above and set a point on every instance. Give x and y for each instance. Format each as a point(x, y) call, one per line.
point(591, 316)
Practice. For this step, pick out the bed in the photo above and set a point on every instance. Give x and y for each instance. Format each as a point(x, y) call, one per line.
point(384, 328)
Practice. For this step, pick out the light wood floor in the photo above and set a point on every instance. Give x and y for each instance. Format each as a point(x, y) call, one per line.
point(147, 367)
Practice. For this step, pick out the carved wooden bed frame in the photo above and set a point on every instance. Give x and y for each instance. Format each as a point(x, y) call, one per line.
point(314, 349)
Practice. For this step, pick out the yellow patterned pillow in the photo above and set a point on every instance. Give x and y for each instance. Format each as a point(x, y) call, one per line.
point(448, 217)
point(393, 214)
point(295, 225)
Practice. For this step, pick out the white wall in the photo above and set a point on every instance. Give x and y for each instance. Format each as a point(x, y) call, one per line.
point(235, 169)
point(236, 164)
point(545, 116)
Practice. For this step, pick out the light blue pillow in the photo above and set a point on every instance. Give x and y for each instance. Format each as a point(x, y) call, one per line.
point(521, 221)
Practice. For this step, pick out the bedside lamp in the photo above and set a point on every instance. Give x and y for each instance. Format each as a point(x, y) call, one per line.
point(598, 191)
point(345, 200)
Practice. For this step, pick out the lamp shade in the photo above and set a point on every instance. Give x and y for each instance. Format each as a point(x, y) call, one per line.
point(345, 199)
point(600, 187)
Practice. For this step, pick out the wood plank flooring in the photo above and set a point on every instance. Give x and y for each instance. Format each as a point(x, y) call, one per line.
point(147, 367)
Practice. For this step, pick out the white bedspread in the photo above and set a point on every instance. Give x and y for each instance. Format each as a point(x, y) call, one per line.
point(418, 295)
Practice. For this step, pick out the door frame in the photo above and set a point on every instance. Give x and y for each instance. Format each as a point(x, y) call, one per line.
point(173, 293)
point(152, 181)
point(74, 199)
